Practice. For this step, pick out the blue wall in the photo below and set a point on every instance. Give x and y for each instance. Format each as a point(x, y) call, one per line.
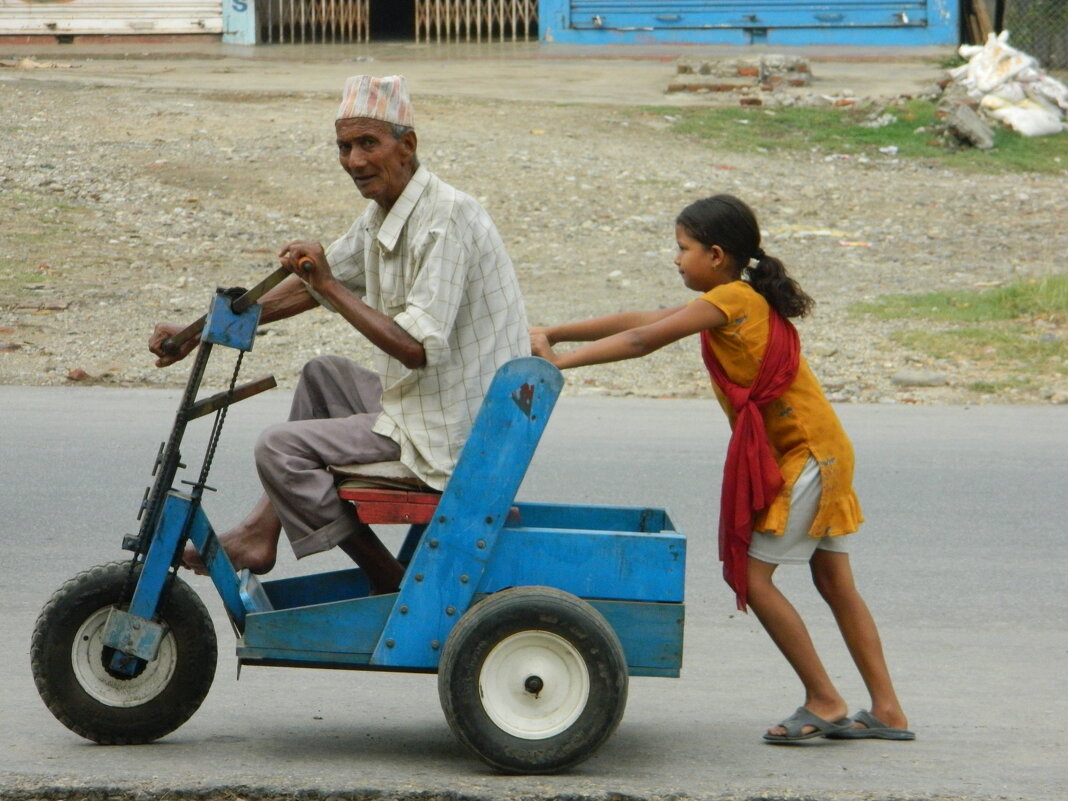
point(743, 22)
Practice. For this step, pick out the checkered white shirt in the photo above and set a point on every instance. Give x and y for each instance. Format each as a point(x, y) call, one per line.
point(436, 265)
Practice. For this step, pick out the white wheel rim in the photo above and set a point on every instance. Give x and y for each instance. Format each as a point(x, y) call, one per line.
point(91, 675)
point(534, 684)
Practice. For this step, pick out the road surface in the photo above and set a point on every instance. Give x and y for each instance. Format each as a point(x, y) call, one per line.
point(962, 559)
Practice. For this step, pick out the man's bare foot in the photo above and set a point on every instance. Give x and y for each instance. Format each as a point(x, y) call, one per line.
point(244, 549)
point(252, 544)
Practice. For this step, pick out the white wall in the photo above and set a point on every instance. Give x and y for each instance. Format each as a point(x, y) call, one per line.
point(112, 17)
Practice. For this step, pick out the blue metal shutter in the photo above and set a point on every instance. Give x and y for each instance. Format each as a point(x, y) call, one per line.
point(651, 15)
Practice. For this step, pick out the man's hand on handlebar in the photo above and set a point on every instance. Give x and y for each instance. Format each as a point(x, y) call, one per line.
point(307, 261)
point(161, 333)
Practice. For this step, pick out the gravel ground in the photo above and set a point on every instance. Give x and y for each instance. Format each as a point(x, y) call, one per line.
point(125, 206)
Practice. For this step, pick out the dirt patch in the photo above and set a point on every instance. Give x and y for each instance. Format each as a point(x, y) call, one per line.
point(127, 204)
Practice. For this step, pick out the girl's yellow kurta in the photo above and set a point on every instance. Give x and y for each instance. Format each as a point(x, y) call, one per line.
point(800, 422)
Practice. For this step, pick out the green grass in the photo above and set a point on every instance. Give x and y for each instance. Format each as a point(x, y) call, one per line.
point(1016, 346)
point(1045, 297)
point(830, 131)
point(950, 61)
point(18, 271)
point(17, 274)
point(11, 272)
point(989, 387)
point(1021, 325)
point(37, 229)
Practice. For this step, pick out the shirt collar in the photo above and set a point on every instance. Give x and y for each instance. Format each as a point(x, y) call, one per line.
point(398, 216)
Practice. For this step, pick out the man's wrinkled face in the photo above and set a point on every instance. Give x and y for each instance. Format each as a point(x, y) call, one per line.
point(379, 164)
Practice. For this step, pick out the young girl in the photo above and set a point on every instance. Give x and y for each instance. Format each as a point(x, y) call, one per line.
point(788, 480)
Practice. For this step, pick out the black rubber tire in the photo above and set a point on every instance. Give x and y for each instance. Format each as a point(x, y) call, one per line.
point(469, 691)
point(69, 662)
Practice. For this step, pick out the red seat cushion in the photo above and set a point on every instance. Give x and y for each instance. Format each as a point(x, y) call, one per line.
point(391, 506)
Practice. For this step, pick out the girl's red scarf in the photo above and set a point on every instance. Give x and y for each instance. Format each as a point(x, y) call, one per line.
point(751, 477)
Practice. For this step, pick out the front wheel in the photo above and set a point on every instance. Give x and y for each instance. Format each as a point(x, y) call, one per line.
point(533, 680)
point(71, 665)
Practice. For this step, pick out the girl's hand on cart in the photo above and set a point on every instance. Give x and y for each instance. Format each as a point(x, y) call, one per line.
point(544, 331)
point(540, 346)
point(160, 334)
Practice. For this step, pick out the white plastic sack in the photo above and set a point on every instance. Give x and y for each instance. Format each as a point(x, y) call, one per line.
point(991, 65)
point(1027, 117)
point(1012, 87)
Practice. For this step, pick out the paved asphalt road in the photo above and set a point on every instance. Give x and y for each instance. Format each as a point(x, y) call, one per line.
point(962, 559)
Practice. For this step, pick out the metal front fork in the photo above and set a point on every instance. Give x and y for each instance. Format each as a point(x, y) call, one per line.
point(170, 518)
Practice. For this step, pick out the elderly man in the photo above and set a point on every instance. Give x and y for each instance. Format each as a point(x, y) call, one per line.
point(423, 275)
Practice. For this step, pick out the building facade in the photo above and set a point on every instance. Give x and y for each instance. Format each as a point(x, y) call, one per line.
point(582, 22)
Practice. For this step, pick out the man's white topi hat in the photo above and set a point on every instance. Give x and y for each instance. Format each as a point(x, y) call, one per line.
point(384, 99)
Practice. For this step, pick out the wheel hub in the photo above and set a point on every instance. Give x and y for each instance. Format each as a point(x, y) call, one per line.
point(90, 659)
point(534, 684)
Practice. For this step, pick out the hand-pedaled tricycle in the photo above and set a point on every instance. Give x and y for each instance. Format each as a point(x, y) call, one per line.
point(533, 615)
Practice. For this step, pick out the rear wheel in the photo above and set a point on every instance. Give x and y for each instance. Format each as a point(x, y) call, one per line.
point(533, 680)
point(71, 664)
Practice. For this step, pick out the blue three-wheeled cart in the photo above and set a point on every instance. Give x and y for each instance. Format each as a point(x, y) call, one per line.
point(533, 615)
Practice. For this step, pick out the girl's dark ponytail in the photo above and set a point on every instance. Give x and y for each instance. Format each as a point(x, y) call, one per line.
point(726, 221)
point(768, 277)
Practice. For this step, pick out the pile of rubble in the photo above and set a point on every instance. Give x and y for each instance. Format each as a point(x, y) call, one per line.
point(770, 80)
point(1000, 85)
point(755, 81)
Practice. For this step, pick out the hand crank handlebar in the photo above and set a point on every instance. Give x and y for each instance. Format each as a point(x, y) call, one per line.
point(171, 345)
point(222, 399)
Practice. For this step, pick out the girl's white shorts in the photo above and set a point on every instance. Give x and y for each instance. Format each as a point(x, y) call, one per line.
point(795, 546)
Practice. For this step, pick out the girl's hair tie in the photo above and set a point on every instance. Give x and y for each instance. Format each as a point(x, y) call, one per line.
point(759, 254)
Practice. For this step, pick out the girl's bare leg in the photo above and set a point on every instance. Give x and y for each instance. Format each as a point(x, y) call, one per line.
point(833, 577)
point(787, 630)
point(253, 543)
